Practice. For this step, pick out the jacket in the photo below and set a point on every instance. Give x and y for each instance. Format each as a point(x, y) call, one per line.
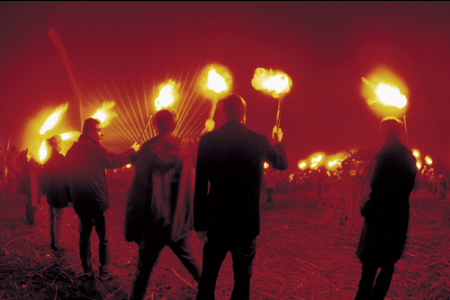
point(228, 179)
point(53, 180)
point(86, 164)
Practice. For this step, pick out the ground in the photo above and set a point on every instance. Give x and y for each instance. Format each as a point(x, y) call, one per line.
point(300, 255)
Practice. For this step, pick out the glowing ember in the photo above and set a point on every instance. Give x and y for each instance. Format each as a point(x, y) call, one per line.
point(302, 165)
point(316, 160)
point(43, 151)
point(428, 160)
point(167, 95)
point(334, 163)
point(71, 135)
point(419, 165)
point(209, 124)
point(104, 114)
point(54, 118)
point(275, 83)
point(216, 82)
point(266, 165)
point(128, 166)
point(416, 153)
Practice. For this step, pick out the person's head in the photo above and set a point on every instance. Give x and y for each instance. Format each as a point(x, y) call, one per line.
point(93, 129)
point(165, 121)
point(390, 128)
point(55, 142)
point(234, 108)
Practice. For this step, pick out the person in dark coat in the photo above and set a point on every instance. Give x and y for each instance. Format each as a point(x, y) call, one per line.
point(29, 185)
point(86, 164)
point(56, 189)
point(386, 212)
point(160, 201)
point(227, 190)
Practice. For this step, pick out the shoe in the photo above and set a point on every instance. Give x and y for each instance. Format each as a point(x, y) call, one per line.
point(106, 276)
point(88, 275)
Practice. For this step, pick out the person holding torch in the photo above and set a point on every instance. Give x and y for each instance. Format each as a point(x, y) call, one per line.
point(86, 164)
point(386, 213)
point(228, 179)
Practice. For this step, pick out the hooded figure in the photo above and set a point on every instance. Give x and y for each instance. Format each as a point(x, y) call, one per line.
point(386, 213)
point(160, 201)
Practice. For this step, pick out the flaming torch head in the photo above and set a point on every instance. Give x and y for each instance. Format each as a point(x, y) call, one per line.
point(215, 82)
point(54, 118)
point(272, 82)
point(43, 151)
point(104, 114)
point(168, 94)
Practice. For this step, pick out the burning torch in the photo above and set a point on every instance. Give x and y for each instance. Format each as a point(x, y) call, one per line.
point(49, 124)
point(215, 85)
point(274, 82)
point(387, 94)
point(168, 94)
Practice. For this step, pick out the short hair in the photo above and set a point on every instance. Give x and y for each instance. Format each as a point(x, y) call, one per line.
point(165, 119)
point(234, 107)
point(54, 141)
point(391, 128)
point(90, 124)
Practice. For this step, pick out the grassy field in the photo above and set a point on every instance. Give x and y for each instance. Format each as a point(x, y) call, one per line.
point(300, 255)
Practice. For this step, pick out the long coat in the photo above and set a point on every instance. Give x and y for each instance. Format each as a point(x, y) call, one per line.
point(53, 181)
point(228, 179)
point(387, 212)
point(159, 204)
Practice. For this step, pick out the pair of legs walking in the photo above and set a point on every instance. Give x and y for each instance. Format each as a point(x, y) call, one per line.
point(85, 225)
point(242, 250)
point(148, 254)
point(367, 289)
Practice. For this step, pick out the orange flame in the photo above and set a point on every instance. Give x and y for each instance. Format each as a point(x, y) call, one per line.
point(104, 114)
point(428, 160)
point(128, 166)
point(43, 151)
point(71, 135)
point(334, 163)
point(416, 153)
point(168, 94)
point(54, 118)
point(385, 89)
point(302, 165)
point(315, 160)
point(418, 165)
point(216, 82)
point(273, 82)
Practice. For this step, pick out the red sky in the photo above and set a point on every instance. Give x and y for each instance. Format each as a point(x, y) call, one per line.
point(324, 47)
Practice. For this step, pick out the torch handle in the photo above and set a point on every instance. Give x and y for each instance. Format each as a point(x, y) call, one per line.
point(280, 101)
point(145, 128)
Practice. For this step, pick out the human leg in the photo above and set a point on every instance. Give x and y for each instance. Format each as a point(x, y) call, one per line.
point(58, 213)
point(369, 271)
point(85, 225)
point(214, 252)
point(183, 250)
point(383, 282)
point(243, 252)
point(29, 211)
point(51, 223)
point(148, 254)
point(103, 246)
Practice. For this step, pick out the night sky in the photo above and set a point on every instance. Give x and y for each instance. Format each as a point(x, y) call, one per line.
point(129, 48)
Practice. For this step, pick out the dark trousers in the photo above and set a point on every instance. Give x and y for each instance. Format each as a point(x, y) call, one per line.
point(85, 225)
point(366, 289)
point(149, 253)
point(243, 251)
point(29, 211)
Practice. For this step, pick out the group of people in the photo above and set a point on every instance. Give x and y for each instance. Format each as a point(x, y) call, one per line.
point(212, 185)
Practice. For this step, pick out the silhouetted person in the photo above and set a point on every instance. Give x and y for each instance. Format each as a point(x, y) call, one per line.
point(86, 164)
point(386, 212)
point(29, 185)
point(56, 189)
point(13, 173)
point(443, 185)
point(227, 191)
point(160, 201)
